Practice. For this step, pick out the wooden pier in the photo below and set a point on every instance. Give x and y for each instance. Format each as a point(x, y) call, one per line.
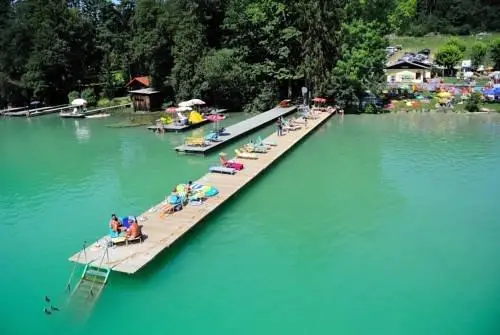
point(36, 111)
point(162, 232)
point(238, 130)
point(11, 110)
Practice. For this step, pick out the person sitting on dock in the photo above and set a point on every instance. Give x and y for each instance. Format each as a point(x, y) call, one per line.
point(134, 231)
point(115, 225)
point(189, 191)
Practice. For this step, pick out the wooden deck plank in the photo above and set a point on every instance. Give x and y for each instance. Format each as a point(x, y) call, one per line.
point(162, 232)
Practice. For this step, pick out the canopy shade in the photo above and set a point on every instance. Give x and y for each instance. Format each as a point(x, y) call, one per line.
point(79, 102)
point(197, 102)
point(188, 103)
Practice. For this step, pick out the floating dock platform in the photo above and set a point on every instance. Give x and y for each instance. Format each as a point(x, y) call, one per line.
point(179, 128)
point(162, 232)
point(239, 129)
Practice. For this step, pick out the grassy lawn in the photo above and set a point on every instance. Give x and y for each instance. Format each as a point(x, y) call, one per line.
point(414, 44)
point(455, 81)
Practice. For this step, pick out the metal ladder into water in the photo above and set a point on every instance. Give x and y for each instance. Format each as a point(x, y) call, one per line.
point(90, 286)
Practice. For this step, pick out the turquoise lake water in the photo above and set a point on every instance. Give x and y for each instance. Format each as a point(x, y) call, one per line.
point(372, 225)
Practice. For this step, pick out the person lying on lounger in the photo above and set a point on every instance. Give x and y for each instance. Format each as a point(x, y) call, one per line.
point(134, 230)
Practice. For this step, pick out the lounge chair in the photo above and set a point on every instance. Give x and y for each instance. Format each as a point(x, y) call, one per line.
point(222, 169)
point(126, 240)
point(268, 143)
point(290, 126)
point(196, 141)
point(212, 137)
point(230, 164)
point(245, 155)
point(250, 147)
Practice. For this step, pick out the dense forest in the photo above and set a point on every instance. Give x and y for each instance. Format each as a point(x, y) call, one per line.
point(236, 53)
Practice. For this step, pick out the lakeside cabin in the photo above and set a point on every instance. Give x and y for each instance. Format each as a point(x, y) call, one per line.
point(138, 83)
point(146, 100)
point(406, 72)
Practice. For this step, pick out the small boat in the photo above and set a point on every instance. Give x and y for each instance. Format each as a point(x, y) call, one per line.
point(72, 115)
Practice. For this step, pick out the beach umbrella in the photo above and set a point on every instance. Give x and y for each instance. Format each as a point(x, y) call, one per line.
point(188, 103)
point(171, 110)
point(183, 109)
point(197, 102)
point(79, 102)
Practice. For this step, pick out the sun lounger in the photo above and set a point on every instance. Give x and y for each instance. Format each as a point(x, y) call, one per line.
point(126, 240)
point(212, 137)
point(196, 141)
point(290, 126)
point(269, 143)
point(231, 164)
point(254, 148)
point(221, 169)
point(245, 155)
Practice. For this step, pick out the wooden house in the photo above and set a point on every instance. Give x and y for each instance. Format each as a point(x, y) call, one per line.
point(146, 100)
point(138, 83)
point(413, 72)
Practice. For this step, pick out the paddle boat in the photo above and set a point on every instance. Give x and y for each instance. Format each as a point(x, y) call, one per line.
point(74, 114)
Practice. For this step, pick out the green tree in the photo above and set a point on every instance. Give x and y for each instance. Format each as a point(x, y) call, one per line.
point(474, 103)
point(460, 44)
point(448, 56)
point(478, 53)
point(495, 53)
point(73, 95)
point(226, 78)
point(189, 48)
point(404, 12)
point(89, 95)
point(320, 24)
point(362, 63)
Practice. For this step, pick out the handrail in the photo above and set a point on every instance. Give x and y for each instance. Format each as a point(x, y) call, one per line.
point(105, 253)
point(68, 284)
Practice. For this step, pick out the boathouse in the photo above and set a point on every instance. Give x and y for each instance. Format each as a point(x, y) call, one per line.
point(146, 100)
point(138, 83)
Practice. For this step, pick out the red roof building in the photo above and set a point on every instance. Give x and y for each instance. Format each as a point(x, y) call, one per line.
point(138, 83)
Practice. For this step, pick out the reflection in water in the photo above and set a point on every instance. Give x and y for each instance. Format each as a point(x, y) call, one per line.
point(82, 132)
